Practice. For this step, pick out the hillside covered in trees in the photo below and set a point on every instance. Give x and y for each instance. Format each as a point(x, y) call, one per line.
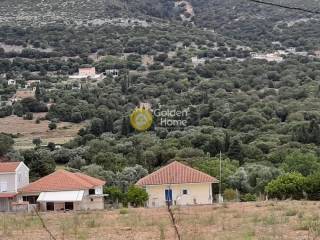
point(263, 115)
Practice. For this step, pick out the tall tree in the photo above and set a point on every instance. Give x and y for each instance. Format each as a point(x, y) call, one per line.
point(235, 151)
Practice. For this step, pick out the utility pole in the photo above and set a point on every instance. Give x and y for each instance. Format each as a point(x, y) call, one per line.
point(220, 179)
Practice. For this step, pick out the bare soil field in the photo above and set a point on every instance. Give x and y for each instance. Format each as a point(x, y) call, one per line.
point(27, 130)
point(235, 221)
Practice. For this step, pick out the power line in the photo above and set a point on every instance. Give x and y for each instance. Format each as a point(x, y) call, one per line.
point(285, 6)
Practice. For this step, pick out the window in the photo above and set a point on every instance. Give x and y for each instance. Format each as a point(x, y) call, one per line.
point(19, 178)
point(185, 192)
point(30, 199)
point(92, 191)
point(68, 206)
point(3, 187)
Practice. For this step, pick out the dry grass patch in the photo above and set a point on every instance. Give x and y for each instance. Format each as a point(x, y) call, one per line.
point(241, 221)
point(27, 130)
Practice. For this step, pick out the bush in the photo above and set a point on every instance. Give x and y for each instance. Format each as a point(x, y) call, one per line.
point(52, 125)
point(248, 198)
point(290, 185)
point(28, 116)
point(6, 143)
point(124, 211)
point(114, 194)
point(312, 187)
point(6, 111)
point(230, 194)
point(51, 146)
point(137, 196)
point(37, 141)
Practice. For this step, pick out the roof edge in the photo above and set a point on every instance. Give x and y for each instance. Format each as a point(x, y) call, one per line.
point(217, 181)
point(166, 166)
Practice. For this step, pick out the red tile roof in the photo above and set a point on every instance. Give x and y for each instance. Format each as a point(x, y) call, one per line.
point(8, 166)
point(62, 180)
point(176, 173)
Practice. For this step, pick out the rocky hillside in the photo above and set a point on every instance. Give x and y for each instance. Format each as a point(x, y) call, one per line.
point(207, 13)
point(46, 11)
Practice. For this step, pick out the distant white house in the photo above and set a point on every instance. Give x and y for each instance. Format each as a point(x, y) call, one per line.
point(178, 184)
point(12, 82)
point(281, 52)
point(303, 53)
point(270, 57)
point(78, 87)
point(86, 73)
point(145, 105)
point(113, 72)
point(291, 50)
point(13, 176)
point(32, 83)
point(196, 61)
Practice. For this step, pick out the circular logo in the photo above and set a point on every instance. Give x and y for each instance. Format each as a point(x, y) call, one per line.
point(141, 119)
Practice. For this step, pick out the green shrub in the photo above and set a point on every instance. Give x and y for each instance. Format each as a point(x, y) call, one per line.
point(312, 187)
point(248, 198)
point(291, 212)
point(230, 194)
point(114, 194)
point(36, 141)
point(123, 211)
point(137, 196)
point(52, 125)
point(291, 185)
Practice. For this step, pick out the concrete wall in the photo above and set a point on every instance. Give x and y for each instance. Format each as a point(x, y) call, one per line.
point(197, 194)
point(92, 203)
point(88, 203)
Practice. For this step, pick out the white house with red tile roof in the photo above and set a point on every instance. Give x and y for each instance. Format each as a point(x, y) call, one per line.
point(178, 184)
point(63, 190)
point(13, 176)
point(86, 73)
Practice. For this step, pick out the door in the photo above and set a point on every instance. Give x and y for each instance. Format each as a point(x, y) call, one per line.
point(168, 196)
point(50, 206)
point(4, 205)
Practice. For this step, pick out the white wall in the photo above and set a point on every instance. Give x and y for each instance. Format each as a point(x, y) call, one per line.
point(22, 176)
point(8, 179)
point(197, 194)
